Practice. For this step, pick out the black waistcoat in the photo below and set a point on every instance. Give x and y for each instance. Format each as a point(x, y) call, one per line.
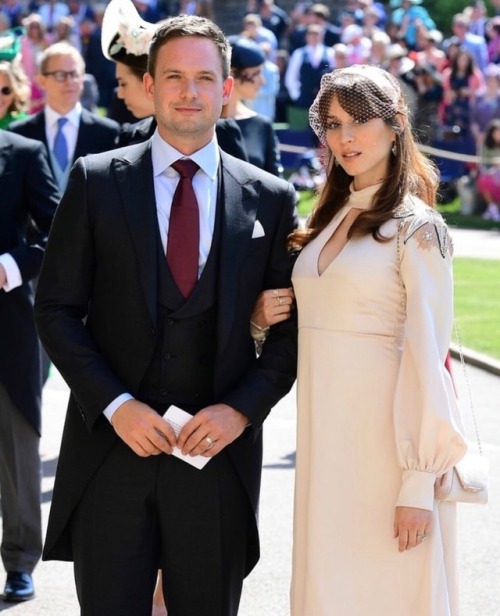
point(310, 79)
point(182, 369)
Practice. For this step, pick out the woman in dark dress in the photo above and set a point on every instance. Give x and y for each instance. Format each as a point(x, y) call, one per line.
point(261, 143)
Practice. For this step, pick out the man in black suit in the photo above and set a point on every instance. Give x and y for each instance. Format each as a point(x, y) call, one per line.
point(28, 198)
point(63, 120)
point(131, 341)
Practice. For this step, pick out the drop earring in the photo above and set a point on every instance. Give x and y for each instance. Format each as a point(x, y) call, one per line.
point(394, 149)
point(336, 162)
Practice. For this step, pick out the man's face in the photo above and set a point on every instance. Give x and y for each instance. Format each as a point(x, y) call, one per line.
point(62, 82)
point(188, 92)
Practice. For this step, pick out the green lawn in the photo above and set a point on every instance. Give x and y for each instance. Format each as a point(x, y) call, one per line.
point(477, 304)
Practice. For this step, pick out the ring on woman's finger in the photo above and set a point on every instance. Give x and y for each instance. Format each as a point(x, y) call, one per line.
point(421, 536)
point(276, 293)
point(281, 300)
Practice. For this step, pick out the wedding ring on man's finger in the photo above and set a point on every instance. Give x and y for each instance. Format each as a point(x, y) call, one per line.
point(210, 442)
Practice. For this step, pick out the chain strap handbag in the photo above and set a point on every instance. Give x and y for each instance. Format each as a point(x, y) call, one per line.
point(467, 481)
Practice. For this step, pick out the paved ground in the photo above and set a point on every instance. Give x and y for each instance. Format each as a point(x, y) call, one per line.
point(266, 590)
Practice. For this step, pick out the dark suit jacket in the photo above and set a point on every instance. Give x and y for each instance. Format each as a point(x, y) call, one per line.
point(28, 196)
point(95, 134)
point(101, 263)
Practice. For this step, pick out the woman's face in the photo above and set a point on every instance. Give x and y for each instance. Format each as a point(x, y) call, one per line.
point(132, 92)
point(363, 149)
point(6, 99)
point(249, 82)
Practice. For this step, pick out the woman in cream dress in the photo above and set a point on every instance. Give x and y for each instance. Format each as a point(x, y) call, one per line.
point(377, 417)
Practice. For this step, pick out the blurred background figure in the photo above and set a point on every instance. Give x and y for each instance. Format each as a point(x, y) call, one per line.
point(489, 173)
point(14, 94)
point(486, 106)
point(265, 100)
point(303, 76)
point(247, 62)
point(67, 130)
point(462, 82)
point(33, 43)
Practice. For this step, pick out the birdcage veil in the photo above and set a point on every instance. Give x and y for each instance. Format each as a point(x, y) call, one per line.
point(363, 91)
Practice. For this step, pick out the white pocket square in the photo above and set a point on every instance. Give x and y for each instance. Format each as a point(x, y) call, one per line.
point(258, 230)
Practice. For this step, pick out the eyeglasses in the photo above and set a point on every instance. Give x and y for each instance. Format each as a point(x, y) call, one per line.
point(63, 76)
point(6, 90)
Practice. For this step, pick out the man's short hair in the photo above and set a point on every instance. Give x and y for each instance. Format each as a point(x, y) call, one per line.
point(190, 25)
point(60, 49)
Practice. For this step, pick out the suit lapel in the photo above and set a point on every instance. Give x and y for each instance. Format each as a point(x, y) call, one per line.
point(134, 174)
point(239, 199)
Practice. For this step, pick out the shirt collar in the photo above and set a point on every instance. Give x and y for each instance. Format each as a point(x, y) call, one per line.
point(163, 155)
point(73, 116)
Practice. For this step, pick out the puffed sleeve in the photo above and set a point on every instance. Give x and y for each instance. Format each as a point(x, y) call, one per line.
point(428, 428)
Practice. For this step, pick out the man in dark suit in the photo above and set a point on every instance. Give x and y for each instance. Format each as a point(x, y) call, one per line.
point(132, 338)
point(64, 126)
point(29, 197)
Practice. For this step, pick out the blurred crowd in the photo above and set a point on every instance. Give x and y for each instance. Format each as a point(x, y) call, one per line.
point(451, 79)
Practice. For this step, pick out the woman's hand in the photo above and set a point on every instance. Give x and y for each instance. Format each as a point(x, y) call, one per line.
point(272, 306)
point(411, 526)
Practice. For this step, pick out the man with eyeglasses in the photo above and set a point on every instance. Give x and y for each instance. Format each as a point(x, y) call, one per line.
point(64, 126)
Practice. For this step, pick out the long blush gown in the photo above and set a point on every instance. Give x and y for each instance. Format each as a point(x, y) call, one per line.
point(377, 419)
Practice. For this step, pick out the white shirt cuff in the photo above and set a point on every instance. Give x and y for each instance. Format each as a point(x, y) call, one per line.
point(109, 411)
point(14, 278)
point(417, 490)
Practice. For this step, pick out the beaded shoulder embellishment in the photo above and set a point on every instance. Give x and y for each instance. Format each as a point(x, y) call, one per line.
point(426, 225)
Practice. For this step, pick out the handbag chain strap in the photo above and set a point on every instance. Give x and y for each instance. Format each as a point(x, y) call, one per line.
point(469, 389)
point(460, 350)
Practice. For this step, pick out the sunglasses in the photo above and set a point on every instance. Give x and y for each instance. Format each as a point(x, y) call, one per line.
point(6, 90)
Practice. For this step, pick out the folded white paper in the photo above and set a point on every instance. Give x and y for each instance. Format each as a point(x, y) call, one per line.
point(176, 417)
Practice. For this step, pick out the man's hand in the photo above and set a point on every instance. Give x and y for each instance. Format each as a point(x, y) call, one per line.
point(142, 429)
point(411, 526)
point(3, 277)
point(210, 430)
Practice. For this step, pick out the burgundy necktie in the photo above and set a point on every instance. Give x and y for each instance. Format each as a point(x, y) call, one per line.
point(184, 230)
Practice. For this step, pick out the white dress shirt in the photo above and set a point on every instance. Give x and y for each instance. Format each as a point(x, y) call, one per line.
point(165, 182)
point(12, 272)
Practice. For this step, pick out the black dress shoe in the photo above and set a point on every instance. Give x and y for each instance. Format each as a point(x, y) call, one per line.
point(18, 587)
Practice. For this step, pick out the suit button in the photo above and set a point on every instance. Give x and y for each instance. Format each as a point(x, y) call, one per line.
point(170, 322)
point(164, 391)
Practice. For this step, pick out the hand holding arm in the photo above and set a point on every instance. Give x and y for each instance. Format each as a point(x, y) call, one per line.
point(272, 306)
point(3, 277)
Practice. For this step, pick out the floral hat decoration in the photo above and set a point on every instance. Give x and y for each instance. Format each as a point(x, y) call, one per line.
point(126, 37)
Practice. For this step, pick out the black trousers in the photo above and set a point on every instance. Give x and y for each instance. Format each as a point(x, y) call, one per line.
point(139, 515)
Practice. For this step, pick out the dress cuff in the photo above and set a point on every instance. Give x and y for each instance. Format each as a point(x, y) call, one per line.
point(417, 490)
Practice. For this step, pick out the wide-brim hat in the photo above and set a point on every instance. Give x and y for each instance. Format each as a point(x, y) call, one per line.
point(125, 36)
point(10, 43)
point(245, 53)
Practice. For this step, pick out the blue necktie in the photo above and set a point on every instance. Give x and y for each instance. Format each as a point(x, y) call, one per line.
point(61, 145)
